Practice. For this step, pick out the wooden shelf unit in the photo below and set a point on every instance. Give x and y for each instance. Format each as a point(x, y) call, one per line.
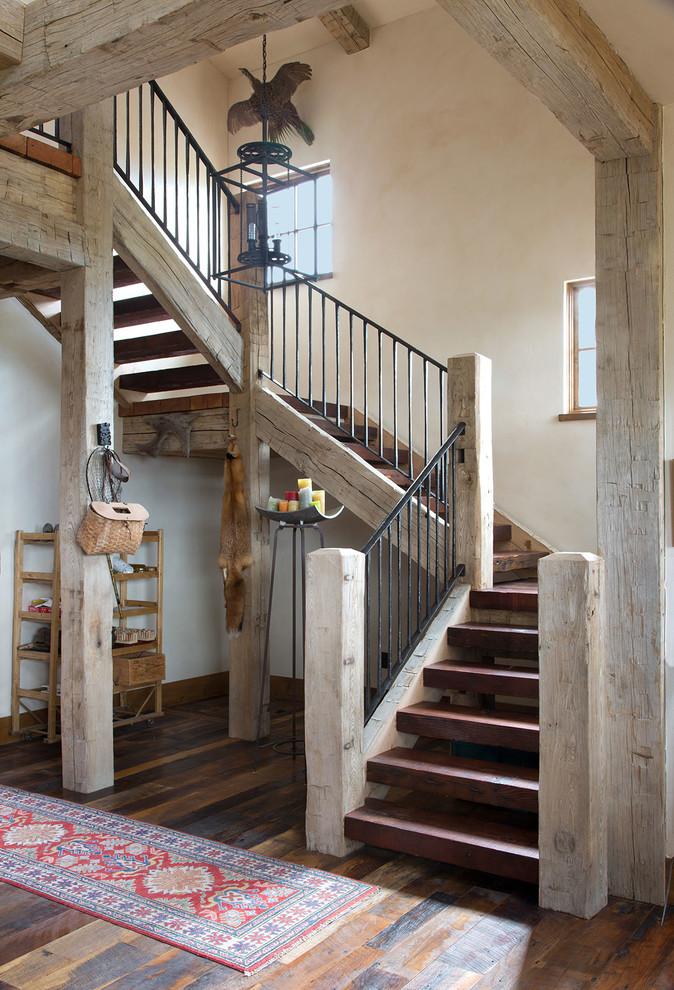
point(137, 667)
point(45, 584)
point(140, 667)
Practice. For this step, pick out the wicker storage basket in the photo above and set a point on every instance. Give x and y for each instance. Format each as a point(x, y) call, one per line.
point(112, 527)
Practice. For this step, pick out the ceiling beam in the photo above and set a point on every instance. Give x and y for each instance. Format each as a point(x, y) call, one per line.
point(18, 277)
point(560, 55)
point(28, 234)
point(348, 28)
point(86, 50)
point(11, 32)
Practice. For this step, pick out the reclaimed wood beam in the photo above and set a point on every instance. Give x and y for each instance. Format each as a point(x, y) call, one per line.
point(11, 32)
point(83, 51)
point(631, 516)
point(18, 277)
point(38, 217)
point(86, 399)
point(348, 28)
point(28, 234)
point(559, 54)
point(52, 326)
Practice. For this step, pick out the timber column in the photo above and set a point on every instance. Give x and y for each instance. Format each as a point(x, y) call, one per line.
point(631, 514)
point(86, 399)
point(246, 651)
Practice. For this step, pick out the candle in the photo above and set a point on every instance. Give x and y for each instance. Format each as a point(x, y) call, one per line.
point(320, 498)
point(293, 505)
point(305, 497)
point(273, 503)
point(303, 483)
point(292, 496)
point(283, 505)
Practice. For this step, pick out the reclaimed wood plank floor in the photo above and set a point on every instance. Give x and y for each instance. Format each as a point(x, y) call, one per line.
point(429, 927)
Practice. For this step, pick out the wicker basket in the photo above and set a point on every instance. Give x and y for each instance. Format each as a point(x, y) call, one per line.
point(112, 527)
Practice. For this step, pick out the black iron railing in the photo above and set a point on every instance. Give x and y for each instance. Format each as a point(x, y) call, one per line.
point(165, 167)
point(370, 384)
point(410, 567)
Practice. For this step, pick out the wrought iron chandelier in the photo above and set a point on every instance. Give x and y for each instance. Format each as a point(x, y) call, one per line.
point(249, 185)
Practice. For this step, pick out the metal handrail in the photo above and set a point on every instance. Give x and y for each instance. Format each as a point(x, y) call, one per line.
point(167, 170)
point(356, 374)
point(405, 590)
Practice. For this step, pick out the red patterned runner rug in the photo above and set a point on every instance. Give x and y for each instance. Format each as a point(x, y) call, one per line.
point(236, 907)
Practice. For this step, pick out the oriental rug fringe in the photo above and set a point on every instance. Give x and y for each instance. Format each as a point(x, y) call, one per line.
point(230, 905)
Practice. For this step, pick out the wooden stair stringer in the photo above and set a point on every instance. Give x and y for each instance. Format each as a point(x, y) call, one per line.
point(181, 293)
point(316, 454)
point(381, 731)
point(521, 538)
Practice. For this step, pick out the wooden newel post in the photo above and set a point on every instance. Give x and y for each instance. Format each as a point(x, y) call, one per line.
point(572, 813)
point(334, 682)
point(469, 399)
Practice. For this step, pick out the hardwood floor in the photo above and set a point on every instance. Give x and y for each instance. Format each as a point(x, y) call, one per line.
point(430, 927)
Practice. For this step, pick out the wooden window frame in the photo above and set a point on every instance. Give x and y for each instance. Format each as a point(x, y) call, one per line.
point(574, 410)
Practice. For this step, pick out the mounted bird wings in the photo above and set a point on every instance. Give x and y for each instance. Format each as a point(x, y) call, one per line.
point(282, 115)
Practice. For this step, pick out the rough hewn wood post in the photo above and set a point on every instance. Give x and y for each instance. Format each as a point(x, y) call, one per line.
point(86, 399)
point(572, 797)
point(334, 681)
point(469, 398)
point(630, 514)
point(246, 652)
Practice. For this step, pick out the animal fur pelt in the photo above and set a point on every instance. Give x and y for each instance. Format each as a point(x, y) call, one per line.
point(235, 555)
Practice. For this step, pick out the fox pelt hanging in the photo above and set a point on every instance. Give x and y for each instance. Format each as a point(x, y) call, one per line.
point(235, 555)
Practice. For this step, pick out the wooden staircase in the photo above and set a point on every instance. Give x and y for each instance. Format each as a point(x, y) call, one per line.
point(467, 792)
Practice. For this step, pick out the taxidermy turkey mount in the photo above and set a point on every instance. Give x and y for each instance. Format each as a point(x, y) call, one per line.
point(272, 100)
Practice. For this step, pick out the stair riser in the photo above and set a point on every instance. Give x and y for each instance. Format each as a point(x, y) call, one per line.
point(515, 643)
point(514, 686)
point(514, 797)
point(510, 600)
point(445, 850)
point(442, 726)
point(502, 617)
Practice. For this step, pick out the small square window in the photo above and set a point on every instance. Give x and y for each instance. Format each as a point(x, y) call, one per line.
point(581, 346)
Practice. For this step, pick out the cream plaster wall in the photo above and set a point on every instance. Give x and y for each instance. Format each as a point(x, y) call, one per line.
point(30, 369)
point(461, 206)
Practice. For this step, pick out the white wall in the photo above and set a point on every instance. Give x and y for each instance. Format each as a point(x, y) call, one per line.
point(183, 498)
point(461, 206)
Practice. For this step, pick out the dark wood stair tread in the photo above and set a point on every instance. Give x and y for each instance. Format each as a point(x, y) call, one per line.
point(443, 720)
point(137, 311)
point(122, 275)
point(471, 841)
point(170, 379)
point(153, 347)
point(513, 560)
point(513, 596)
point(495, 640)
point(386, 456)
point(441, 773)
point(520, 682)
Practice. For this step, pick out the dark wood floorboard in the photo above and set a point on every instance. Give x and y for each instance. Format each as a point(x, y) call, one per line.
point(429, 926)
